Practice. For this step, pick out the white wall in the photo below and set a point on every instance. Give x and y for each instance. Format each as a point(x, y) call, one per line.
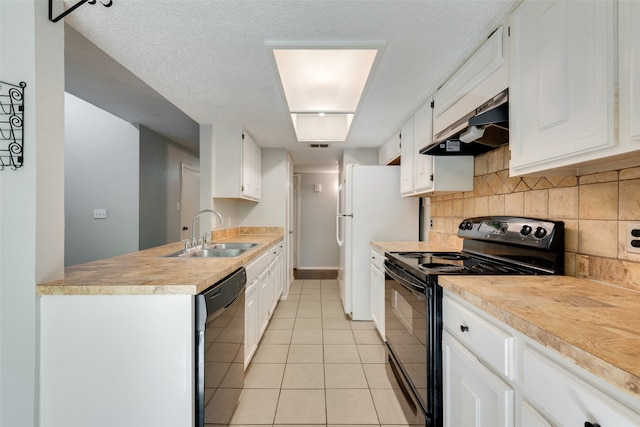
point(32, 200)
point(318, 247)
point(101, 171)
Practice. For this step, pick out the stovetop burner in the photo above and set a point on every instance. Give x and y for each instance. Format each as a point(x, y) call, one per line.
point(411, 254)
point(441, 268)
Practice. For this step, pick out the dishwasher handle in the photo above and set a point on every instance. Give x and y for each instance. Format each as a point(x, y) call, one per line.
point(214, 301)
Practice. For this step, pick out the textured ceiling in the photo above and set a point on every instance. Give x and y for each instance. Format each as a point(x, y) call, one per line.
point(210, 59)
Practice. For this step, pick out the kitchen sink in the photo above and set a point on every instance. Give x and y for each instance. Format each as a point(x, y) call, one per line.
point(216, 250)
point(232, 245)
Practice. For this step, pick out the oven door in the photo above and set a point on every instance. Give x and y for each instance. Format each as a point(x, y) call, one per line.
point(413, 332)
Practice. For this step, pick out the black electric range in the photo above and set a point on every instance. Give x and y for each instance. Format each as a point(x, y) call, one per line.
point(496, 245)
point(493, 246)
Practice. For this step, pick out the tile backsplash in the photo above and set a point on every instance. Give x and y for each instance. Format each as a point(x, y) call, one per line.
point(595, 209)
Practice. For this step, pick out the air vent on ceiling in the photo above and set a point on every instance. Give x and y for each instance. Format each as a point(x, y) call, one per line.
point(318, 145)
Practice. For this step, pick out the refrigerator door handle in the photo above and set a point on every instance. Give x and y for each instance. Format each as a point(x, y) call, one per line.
point(339, 215)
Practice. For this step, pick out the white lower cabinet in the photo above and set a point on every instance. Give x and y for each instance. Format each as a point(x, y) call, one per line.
point(477, 359)
point(377, 290)
point(529, 417)
point(473, 395)
point(566, 400)
point(545, 389)
point(265, 281)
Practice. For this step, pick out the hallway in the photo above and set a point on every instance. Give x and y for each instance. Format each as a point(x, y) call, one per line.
point(315, 367)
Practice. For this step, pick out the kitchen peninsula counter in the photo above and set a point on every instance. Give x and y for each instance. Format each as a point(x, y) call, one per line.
point(595, 325)
point(150, 272)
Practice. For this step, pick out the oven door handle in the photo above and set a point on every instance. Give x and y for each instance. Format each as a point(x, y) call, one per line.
point(417, 286)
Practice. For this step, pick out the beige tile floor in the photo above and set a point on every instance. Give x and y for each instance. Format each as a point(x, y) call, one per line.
point(315, 367)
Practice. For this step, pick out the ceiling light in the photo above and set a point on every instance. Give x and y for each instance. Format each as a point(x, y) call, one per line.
point(323, 88)
point(328, 127)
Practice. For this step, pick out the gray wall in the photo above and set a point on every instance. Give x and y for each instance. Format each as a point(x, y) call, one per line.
point(160, 188)
point(100, 171)
point(318, 221)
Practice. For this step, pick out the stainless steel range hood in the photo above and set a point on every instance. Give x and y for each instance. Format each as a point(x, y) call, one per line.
point(482, 130)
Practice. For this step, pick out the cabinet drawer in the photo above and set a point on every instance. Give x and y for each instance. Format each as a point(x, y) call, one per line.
point(377, 259)
point(568, 400)
point(492, 345)
point(276, 250)
point(258, 266)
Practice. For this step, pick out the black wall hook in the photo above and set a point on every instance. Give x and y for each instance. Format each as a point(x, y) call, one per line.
point(11, 125)
point(108, 3)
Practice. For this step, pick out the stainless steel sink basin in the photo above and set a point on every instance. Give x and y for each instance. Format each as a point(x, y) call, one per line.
point(232, 245)
point(217, 250)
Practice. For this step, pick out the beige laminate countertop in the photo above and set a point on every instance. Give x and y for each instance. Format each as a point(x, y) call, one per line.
point(595, 325)
point(149, 272)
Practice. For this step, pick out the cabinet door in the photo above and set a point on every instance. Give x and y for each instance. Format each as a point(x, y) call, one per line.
point(529, 417)
point(251, 168)
point(251, 325)
point(265, 301)
point(390, 151)
point(406, 157)
point(562, 83)
point(377, 299)
point(481, 77)
point(629, 69)
point(473, 395)
point(423, 136)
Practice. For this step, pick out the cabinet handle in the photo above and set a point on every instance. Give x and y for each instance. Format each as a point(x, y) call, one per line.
point(465, 328)
point(588, 424)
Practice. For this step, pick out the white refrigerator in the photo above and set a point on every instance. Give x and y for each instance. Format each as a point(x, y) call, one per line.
point(369, 208)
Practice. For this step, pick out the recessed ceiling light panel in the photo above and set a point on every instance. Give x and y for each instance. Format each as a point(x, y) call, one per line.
point(330, 80)
point(323, 87)
point(314, 127)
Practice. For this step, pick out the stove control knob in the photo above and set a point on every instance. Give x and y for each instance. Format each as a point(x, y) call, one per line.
point(526, 230)
point(540, 233)
point(465, 225)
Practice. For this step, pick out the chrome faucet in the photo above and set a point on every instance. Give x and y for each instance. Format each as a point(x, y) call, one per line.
point(194, 242)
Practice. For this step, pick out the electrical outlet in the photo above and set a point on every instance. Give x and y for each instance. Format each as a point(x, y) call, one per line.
point(99, 214)
point(633, 237)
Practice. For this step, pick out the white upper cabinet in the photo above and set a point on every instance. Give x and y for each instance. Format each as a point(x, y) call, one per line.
point(407, 157)
point(390, 151)
point(629, 73)
point(237, 165)
point(424, 175)
point(561, 95)
point(251, 169)
point(422, 136)
point(480, 78)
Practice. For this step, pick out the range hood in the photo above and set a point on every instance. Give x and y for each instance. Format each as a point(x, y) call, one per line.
point(482, 130)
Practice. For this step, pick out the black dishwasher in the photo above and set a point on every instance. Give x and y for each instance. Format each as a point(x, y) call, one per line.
point(219, 349)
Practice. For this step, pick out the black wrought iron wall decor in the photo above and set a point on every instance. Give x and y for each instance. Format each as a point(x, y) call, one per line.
point(107, 3)
point(11, 125)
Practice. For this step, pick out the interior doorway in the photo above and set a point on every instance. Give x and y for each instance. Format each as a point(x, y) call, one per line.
point(189, 199)
point(295, 238)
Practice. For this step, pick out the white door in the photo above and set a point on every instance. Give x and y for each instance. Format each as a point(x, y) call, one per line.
point(189, 200)
point(296, 221)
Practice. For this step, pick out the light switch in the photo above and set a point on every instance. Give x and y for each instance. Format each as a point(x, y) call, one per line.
point(317, 188)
